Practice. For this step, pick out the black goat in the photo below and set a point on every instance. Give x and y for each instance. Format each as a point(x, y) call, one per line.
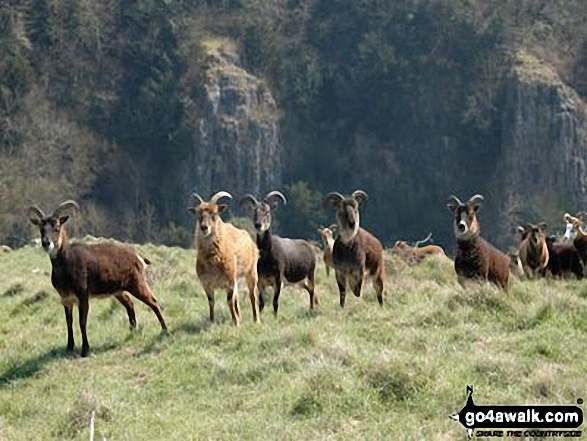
point(280, 260)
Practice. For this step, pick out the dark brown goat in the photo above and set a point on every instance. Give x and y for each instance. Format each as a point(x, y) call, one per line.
point(355, 252)
point(81, 271)
point(563, 259)
point(533, 251)
point(476, 258)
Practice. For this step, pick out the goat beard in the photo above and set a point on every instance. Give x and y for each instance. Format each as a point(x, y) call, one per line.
point(346, 233)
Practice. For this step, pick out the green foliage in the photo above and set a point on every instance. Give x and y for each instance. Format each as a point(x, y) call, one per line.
point(391, 97)
point(303, 211)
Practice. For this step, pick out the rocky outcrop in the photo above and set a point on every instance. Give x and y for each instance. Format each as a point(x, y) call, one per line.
point(543, 155)
point(237, 146)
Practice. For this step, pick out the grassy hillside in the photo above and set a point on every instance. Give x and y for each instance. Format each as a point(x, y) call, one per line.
point(367, 372)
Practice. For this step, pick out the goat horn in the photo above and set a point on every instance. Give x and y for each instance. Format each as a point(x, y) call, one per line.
point(568, 218)
point(67, 205)
point(420, 242)
point(332, 197)
point(333, 227)
point(272, 195)
point(249, 199)
point(360, 196)
point(33, 209)
point(477, 199)
point(219, 195)
point(453, 202)
point(197, 199)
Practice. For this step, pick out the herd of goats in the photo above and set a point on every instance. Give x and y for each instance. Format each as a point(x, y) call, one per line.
point(226, 254)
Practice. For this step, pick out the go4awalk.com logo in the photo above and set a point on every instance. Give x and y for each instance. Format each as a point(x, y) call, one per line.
point(526, 421)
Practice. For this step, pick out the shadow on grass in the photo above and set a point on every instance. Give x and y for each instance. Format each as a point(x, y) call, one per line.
point(32, 366)
point(14, 290)
point(194, 328)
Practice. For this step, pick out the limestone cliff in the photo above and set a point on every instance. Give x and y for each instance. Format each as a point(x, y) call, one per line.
point(237, 146)
point(543, 153)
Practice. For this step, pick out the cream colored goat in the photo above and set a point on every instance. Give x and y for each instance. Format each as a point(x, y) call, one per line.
point(224, 254)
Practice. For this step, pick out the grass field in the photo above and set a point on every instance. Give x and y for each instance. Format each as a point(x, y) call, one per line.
point(364, 372)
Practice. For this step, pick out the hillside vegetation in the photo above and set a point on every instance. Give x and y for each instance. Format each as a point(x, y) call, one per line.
point(364, 372)
point(101, 101)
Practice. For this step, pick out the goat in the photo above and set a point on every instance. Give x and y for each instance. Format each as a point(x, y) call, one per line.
point(224, 254)
point(533, 251)
point(580, 241)
point(327, 235)
point(563, 259)
point(81, 271)
point(415, 254)
point(280, 260)
point(476, 258)
point(516, 267)
point(355, 252)
point(570, 233)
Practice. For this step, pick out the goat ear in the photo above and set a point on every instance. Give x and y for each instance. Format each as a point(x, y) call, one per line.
point(63, 219)
point(35, 221)
point(542, 226)
point(222, 207)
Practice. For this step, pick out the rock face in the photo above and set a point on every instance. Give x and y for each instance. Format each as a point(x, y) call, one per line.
point(237, 146)
point(542, 166)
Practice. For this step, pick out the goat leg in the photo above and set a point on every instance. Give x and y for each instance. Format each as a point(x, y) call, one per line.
point(83, 307)
point(261, 297)
point(310, 287)
point(277, 290)
point(231, 299)
point(341, 282)
point(125, 300)
point(69, 319)
point(210, 295)
point(251, 286)
point(357, 283)
point(378, 286)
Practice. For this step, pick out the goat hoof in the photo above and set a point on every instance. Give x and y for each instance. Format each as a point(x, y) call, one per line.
point(85, 353)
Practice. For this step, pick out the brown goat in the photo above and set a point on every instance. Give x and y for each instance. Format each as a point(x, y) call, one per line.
point(327, 236)
point(413, 255)
point(516, 267)
point(533, 251)
point(81, 271)
point(476, 258)
point(563, 259)
point(224, 254)
point(355, 252)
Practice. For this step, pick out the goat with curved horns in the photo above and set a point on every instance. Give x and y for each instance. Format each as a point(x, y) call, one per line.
point(281, 260)
point(224, 254)
point(355, 252)
point(81, 271)
point(476, 258)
